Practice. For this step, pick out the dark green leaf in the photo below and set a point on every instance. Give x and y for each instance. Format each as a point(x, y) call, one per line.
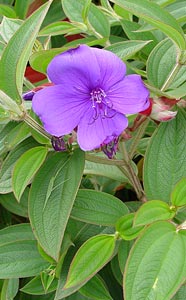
point(52, 196)
point(98, 208)
point(165, 160)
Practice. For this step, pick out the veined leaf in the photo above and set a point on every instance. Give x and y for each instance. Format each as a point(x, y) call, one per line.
point(93, 254)
point(165, 160)
point(156, 265)
point(52, 196)
point(13, 63)
point(178, 196)
point(158, 17)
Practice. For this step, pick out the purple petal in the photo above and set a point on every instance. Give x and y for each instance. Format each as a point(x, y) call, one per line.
point(129, 96)
point(91, 135)
point(59, 108)
point(78, 67)
point(112, 68)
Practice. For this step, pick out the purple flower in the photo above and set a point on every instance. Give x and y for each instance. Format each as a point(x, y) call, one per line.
point(90, 93)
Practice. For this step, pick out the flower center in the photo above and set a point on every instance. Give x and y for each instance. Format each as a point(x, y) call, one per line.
point(97, 96)
point(101, 105)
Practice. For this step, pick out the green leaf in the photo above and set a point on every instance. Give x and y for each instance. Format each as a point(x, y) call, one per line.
point(95, 289)
point(21, 8)
point(19, 256)
point(181, 293)
point(161, 63)
point(178, 196)
point(26, 167)
point(9, 163)
point(35, 287)
point(40, 60)
point(97, 208)
point(97, 22)
point(93, 254)
point(158, 17)
point(13, 63)
point(52, 196)
point(127, 49)
point(131, 29)
point(157, 264)
point(165, 160)
point(7, 11)
point(109, 171)
point(10, 203)
point(9, 289)
point(125, 228)
point(58, 28)
point(152, 211)
point(9, 27)
point(178, 10)
point(12, 134)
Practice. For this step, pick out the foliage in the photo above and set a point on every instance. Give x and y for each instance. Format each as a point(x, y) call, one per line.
point(75, 224)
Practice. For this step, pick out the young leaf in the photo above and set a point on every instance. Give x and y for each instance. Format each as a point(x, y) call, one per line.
point(158, 17)
point(178, 196)
point(19, 256)
point(97, 208)
point(157, 264)
point(125, 228)
point(152, 211)
point(26, 167)
point(52, 196)
point(90, 258)
point(35, 287)
point(165, 160)
point(13, 63)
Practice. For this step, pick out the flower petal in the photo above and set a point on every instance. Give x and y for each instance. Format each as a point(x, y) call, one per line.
point(130, 95)
point(91, 135)
point(78, 67)
point(59, 108)
point(112, 68)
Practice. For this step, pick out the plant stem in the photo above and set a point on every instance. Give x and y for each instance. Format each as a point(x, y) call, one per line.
point(129, 172)
point(32, 123)
point(171, 76)
point(139, 133)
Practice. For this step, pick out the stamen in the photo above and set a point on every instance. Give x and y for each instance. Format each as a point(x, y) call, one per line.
point(101, 104)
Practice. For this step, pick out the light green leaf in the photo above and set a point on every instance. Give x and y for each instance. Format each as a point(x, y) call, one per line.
point(158, 17)
point(125, 228)
point(161, 63)
point(8, 27)
point(95, 289)
point(9, 163)
point(97, 22)
point(97, 208)
point(19, 256)
point(178, 10)
point(52, 196)
point(127, 49)
point(13, 63)
point(8, 11)
point(165, 160)
point(9, 289)
point(93, 254)
point(152, 211)
point(58, 28)
point(26, 167)
point(157, 264)
point(178, 196)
